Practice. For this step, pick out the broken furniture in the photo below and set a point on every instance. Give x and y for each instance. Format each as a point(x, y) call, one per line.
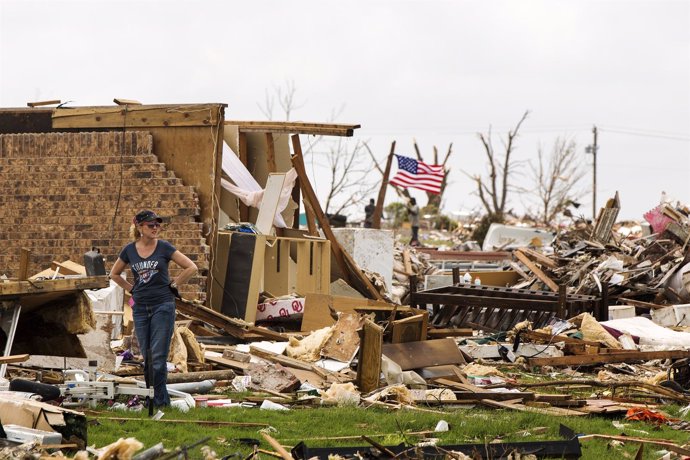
point(247, 264)
point(499, 309)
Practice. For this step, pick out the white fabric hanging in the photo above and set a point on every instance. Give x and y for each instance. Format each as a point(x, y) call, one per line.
point(248, 190)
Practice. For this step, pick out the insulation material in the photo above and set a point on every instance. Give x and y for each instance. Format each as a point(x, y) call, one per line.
point(483, 371)
point(309, 348)
point(595, 332)
point(280, 308)
point(74, 312)
point(393, 393)
point(122, 449)
point(435, 394)
point(342, 394)
point(650, 333)
point(178, 351)
point(194, 351)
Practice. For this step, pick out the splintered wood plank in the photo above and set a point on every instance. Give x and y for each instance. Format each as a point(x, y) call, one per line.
point(346, 264)
point(14, 359)
point(22, 288)
point(134, 116)
point(539, 257)
point(413, 355)
point(537, 271)
point(369, 363)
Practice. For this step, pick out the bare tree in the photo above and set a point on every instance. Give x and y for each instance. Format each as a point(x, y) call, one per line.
point(493, 191)
point(285, 95)
point(349, 185)
point(555, 179)
point(349, 177)
point(435, 199)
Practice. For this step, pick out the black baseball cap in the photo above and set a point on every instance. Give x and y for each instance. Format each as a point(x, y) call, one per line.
point(147, 216)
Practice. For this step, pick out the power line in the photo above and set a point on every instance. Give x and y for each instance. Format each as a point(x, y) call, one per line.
point(676, 137)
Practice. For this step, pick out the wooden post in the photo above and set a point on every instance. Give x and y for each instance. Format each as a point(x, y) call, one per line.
point(378, 212)
point(369, 362)
point(562, 301)
point(270, 154)
point(456, 276)
point(309, 212)
point(24, 264)
point(347, 266)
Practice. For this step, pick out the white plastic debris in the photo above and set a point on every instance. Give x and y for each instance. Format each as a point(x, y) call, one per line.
point(442, 425)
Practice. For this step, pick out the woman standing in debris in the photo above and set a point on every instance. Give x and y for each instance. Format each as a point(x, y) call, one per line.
point(154, 294)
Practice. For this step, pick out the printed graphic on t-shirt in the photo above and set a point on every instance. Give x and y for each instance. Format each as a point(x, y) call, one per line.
point(146, 270)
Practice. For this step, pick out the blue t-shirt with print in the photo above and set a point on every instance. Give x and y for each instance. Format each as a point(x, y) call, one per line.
point(151, 279)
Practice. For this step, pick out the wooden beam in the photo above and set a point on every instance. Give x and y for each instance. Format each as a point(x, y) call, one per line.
point(347, 266)
point(137, 116)
point(308, 211)
point(537, 272)
point(539, 257)
point(235, 327)
point(42, 103)
point(276, 445)
point(378, 211)
point(288, 127)
point(604, 358)
point(120, 101)
point(556, 411)
point(30, 287)
point(14, 359)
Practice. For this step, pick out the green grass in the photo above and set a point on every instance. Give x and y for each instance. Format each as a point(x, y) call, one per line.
point(312, 425)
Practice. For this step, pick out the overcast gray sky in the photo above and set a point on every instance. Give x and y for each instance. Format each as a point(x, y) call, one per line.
point(437, 71)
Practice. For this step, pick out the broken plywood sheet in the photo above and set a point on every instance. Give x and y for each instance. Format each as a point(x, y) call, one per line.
point(344, 340)
point(415, 355)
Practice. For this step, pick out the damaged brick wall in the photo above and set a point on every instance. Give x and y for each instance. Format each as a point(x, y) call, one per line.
point(63, 193)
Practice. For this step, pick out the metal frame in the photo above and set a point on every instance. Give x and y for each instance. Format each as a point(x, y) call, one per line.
point(499, 309)
point(9, 318)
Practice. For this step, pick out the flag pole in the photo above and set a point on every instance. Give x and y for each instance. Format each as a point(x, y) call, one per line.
point(378, 211)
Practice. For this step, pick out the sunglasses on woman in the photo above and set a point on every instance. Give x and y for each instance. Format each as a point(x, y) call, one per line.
point(153, 225)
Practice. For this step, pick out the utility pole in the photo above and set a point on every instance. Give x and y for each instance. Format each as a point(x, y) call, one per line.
point(593, 150)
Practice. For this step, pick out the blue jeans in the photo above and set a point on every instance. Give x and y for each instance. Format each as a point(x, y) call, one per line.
point(154, 326)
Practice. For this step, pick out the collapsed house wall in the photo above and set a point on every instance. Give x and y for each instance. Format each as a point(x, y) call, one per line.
point(63, 193)
point(183, 150)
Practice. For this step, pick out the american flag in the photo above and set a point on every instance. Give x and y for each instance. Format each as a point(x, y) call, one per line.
point(415, 174)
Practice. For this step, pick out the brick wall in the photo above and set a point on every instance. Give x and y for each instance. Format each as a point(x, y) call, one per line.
point(62, 193)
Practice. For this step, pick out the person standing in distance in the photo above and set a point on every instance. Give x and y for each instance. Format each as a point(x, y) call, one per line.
point(153, 292)
point(369, 213)
point(413, 214)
